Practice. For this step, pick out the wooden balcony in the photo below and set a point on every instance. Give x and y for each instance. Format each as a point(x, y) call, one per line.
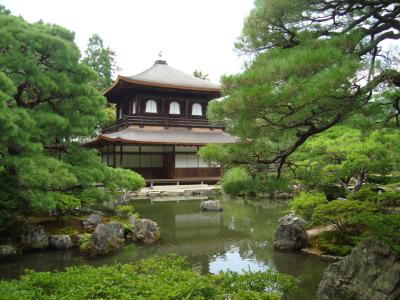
point(126, 121)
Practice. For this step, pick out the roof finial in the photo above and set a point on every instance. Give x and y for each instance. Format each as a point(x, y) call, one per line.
point(160, 60)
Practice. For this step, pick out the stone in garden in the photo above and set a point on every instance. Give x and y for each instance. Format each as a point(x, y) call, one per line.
point(290, 233)
point(133, 220)
point(145, 230)
point(211, 205)
point(106, 238)
point(7, 251)
point(370, 271)
point(91, 222)
point(60, 241)
point(35, 238)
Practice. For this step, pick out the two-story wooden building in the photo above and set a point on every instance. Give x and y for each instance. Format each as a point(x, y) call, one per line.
point(161, 123)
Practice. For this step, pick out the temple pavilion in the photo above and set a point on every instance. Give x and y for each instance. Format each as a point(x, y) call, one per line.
point(160, 125)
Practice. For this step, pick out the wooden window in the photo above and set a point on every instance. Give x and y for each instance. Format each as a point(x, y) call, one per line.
point(196, 110)
point(174, 108)
point(151, 106)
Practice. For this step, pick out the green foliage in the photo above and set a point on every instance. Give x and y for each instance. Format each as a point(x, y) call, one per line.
point(47, 106)
point(312, 68)
point(125, 210)
point(102, 60)
point(364, 194)
point(383, 199)
point(305, 203)
point(200, 74)
point(329, 243)
point(64, 204)
point(383, 227)
point(344, 155)
point(154, 278)
point(236, 181)
point(340, 213)
point(333, 192)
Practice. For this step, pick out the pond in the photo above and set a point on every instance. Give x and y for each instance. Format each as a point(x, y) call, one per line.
point(238, 238)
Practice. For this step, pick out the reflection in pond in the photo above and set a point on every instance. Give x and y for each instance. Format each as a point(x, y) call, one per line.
point(238, 238)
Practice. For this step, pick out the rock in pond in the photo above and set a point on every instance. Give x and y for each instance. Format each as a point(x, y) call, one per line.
point(106, 238)
point(60, 241)
point(290, 233)
point(211, 205)
point(91, 222)
point(145, 230)
point(35, 238)
point(7, 251)
point(370, 271)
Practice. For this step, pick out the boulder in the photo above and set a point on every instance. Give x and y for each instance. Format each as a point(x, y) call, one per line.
point(211, 205)
point(145, 230)
point(106, 238)
point(35, 238)
point(7, 251)
point(133, 220)
point(371, 271)
point(60, 241)
point(91, 222)
point(290, 233)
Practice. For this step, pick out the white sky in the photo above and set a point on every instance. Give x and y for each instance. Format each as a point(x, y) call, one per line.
point(192, 34)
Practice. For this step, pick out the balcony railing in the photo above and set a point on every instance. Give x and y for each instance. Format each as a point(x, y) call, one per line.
point(126, 121)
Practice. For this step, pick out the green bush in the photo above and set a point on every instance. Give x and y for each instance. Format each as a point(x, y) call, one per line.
point(237, 181)
point(389, 199)
point(124, 210)
point(383, 227)
point(364, 194)
point(155, 278)
point(305, 203)
point(328, 243)
point(340, 213)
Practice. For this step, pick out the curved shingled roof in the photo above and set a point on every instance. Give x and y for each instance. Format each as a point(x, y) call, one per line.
point(163, 75)
point(171, 135)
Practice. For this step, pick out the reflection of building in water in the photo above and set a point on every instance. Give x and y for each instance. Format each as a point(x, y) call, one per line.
point(199, 225)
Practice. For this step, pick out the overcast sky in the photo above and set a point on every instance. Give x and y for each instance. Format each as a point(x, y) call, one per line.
point(192, 34)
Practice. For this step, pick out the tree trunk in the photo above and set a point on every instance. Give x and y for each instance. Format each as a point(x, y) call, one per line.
point(360, 180)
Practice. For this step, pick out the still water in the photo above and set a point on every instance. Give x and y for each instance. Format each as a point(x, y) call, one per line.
point(238, 238)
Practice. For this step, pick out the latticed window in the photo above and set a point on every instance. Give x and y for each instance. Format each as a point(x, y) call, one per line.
point(151, 106)
point(196, 110)
point(174, 108)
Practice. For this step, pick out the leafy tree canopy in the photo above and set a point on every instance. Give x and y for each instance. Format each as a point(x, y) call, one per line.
point(102, 60)
point(313, 64)
point(48, 105)
point(346, 156)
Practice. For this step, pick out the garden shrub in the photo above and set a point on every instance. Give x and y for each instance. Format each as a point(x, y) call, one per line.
point(154, 278)
point(124, 210)
point(236, 181)
point(305, 203)
point(340, 213)
point(366, 193)
point(328, 242)
point(383, 227)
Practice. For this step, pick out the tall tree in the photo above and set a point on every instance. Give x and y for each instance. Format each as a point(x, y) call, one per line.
point(48, 104)
point(102, 60)
point(313, 63)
